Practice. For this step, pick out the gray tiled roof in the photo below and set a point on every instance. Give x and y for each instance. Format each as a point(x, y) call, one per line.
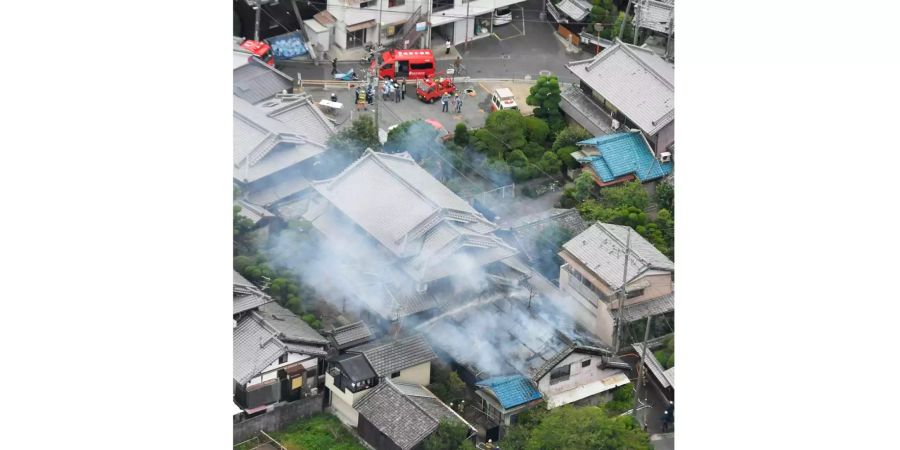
point(256, 81)
point(255, 347)
point(246, 296)
point(253, 212)
point(289, 326)
point(405, 413)
point(263, 144)
point(658, 305)
point(354, 333)
point(655, 15)
point(395, 415)
point(387, 357)
point(601, 249)
point(635, 80)
point(354, 365)
point(412, 214)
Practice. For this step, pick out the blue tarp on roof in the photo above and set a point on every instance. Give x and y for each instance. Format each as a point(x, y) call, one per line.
point(622, 154)
point(512, 390)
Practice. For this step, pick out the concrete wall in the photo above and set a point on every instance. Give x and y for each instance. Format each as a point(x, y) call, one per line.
point(278, 418)
point(665, 137)
point(343, 400)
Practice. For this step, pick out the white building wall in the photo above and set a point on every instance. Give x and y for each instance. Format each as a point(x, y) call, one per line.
point(271, 372)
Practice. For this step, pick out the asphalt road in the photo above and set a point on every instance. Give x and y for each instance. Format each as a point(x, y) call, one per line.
point(508, 53)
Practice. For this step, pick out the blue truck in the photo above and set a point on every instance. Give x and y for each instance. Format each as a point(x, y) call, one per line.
point(288, 46)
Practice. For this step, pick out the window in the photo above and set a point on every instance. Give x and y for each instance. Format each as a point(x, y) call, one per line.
point(393, 3)
point(356, 38)
point(421, 66)
point(635, 293)
point(586, 363)
point(560, 374)
point(368, 4)
point(282, 359)
point(395, 374)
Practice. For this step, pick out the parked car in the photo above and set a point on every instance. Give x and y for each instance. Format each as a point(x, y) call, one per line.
point(502, 16)
point(503, 98)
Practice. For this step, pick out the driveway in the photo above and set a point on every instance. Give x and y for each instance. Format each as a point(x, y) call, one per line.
point(512, 51)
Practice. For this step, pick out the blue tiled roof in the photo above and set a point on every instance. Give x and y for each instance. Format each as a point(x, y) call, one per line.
point(622, 154)
point(512, 390)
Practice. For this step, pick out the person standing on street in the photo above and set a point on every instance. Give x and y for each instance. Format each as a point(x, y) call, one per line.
point(459, 100)
point(445, 102)
point(403, 89)
point(334, 66)
point(447, 48)
point(452, 103)
point(456, 65)
point(396, 92)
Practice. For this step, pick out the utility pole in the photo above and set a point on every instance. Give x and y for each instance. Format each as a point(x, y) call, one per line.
point(257, 10)
point(624, 19)
point(637, 390)
point(467, 24)
point(617, 337)
point(428, 25)
point(669, 34)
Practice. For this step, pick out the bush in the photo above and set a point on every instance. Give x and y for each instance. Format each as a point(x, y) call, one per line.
point(565, 155)
point(461, 135)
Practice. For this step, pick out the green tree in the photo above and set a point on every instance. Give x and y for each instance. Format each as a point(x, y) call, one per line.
point(349, 143)
point(623, 400)
point(545, 97)
point(603, 12)
point(550, 163)
point(461, 135)
point(449, 435)
point(665, 196)
point(414, 136)
point(584, 184)
point(282, 289)
point(586, 428)
point(569, 136)
point(456, 387)
point(503, 132)
point(627, 194)
point(537, 130)
point(628, 35)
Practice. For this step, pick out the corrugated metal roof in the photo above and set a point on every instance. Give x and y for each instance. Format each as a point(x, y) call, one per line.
point(601, 249)
point(653, 364)
point(623, 154)
point(511, 391)
point(635, 80)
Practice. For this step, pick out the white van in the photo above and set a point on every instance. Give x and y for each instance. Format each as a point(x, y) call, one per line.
point(503, 98)
point(502, 16)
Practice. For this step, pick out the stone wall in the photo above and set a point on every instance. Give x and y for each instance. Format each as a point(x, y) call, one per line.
point(278, 418)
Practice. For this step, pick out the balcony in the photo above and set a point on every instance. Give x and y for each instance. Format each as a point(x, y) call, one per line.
point(587, 293)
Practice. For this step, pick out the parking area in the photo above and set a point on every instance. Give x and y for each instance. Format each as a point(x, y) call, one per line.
point(474, 110)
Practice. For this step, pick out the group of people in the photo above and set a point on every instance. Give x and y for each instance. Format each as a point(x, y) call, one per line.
point(392, 89)
point(451, 102)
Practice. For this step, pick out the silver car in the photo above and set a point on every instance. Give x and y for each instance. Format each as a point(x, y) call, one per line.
point(502, 16)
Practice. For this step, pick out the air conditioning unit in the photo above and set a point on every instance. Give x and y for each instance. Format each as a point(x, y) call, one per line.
point(615, 124)
point(665, 157)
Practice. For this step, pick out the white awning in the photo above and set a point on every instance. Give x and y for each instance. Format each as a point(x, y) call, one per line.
point(587, 390)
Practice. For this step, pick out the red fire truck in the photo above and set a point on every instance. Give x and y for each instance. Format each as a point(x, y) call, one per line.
point(260, 50)
point(431, 89)
point(409, 64)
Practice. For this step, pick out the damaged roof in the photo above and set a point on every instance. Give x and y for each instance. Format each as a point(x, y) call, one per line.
point(405, 413)
point(530, 341)
point(601, 249)
point(527, 229)
point(289, 326)
point(387, 357)
point(412, 215)
point(635, 80)
point(246, 296)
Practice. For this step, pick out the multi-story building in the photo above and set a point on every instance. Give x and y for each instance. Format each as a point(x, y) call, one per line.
point(594, 272)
